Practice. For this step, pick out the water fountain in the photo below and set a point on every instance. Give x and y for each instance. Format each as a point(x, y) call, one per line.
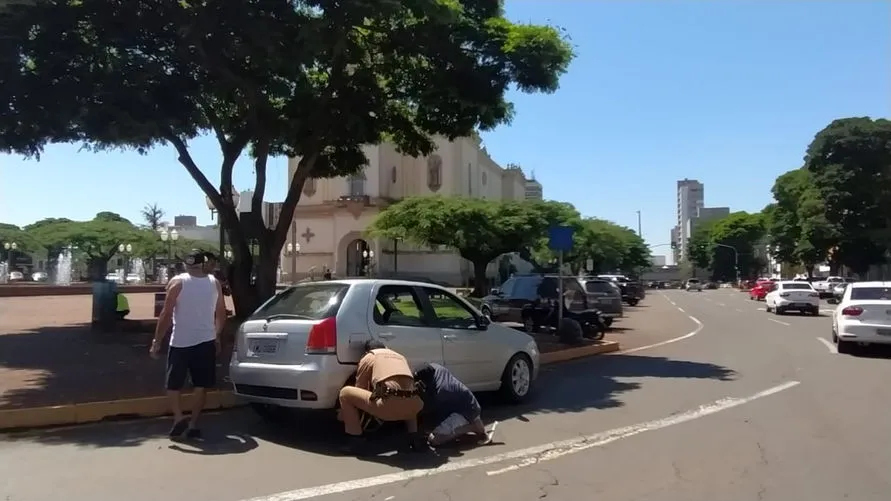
point(162, 275)
point(138, 268)
point(122, 277)
point(4, 272)
point(63, 268)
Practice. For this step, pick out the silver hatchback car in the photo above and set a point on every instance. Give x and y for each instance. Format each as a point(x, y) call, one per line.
point(303, 345)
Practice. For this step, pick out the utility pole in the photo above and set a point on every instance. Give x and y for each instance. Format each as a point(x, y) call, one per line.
point(639, 230)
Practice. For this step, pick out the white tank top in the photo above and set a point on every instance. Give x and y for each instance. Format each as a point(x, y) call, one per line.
point(194, 312)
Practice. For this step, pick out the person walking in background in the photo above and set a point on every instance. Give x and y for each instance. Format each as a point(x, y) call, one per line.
point(195, 308)
point(327, 274)
point(123, 306)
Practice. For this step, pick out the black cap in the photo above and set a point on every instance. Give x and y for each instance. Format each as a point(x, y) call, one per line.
point(210, 256)
point(195, 257)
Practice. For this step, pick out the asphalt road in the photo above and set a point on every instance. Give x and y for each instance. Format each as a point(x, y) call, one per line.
point(743, 405)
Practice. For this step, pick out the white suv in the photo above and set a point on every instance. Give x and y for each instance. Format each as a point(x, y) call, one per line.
point(694, 285)
point(863, 316)
point(792, 295)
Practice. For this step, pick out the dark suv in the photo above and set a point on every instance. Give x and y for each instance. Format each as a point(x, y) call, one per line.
point(530, 299)
point(632, 292)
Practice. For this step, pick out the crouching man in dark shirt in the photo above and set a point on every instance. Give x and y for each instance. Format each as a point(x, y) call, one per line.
point(451, 405)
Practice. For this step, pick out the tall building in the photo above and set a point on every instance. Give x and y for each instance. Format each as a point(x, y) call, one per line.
point(534, 190)
point(691, 198)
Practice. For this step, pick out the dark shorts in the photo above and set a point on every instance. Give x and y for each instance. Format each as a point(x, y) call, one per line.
point(198, 362)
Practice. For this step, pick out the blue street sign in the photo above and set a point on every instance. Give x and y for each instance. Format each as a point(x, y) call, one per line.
point(560, 238)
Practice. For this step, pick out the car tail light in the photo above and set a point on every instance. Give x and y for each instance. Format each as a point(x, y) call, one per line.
point(322, 337)
point(852, 311)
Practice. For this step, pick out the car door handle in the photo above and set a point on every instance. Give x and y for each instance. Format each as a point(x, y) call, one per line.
point(386, 335)
point(449, 337)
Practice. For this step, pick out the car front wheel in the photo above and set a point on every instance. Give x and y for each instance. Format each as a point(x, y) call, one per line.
point(516, 380)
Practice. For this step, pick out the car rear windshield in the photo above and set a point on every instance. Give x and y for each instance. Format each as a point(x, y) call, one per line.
point(870, 293)
point(692, 281)
point(794, 286)
point(310, 301)
point(599, 286)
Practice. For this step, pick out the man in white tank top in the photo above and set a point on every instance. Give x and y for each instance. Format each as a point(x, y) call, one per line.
point(197, 311)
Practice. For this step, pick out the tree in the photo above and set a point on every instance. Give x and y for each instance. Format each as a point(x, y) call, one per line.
point(97, 240)
point(152, 215)
point(479, 230)
point(850, 164)
point(699, 246)
point(311, 80)
point(734, 241)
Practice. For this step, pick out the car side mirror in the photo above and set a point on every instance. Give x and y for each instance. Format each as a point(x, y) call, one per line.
point(495, 292)
point(832, 300)
point(483, 322)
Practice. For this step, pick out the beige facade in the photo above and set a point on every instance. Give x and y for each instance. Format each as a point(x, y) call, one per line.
point(331, 218)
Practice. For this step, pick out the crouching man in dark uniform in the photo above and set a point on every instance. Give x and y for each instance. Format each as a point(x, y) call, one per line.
point(385, 388)
point(451, 406)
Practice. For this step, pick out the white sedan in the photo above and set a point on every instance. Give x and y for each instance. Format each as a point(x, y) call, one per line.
point(792, 295)
point(863, 316)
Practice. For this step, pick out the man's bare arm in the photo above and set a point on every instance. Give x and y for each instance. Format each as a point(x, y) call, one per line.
point(165, 319)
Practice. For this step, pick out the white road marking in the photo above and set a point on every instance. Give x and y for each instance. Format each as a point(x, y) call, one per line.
point(668, 341)
point(721, 304)
point(739, 310)
point(708, 299)
point(567, 447)
point(539, 453)
point(779, 322)
point(828, 344)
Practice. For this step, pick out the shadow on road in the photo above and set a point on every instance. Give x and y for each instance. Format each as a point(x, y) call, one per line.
point(66, 364)
point(567, 388)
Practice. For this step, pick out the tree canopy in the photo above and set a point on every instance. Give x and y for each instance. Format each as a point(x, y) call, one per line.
point(835, 207)
point(481, 230)
point(724, 244)
point(315, 80)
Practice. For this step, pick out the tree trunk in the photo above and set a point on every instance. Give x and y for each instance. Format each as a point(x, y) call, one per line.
point(480, 282)
point(98, 268)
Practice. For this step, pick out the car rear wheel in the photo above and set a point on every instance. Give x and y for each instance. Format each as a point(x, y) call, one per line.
point(529, 324)
point(516, 380)
point(608, 322)
point(486, 311)
point(844, 347)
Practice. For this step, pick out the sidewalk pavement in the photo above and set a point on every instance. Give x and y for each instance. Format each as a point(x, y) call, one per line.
point(54, 370)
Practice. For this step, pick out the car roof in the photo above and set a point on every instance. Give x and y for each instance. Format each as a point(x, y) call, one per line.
point(875, 283)
point(786, 282)
point(374, 281)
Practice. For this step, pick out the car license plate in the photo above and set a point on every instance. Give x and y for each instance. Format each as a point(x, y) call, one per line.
point(883, 332)
point(259, 347)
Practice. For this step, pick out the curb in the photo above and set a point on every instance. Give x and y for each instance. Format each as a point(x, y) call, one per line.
point(579, 352)
point(92, 412)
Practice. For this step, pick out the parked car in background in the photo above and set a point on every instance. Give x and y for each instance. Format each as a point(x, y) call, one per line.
point(824, 287)
point(604, 296)
point(39, 276)
point(711, 286)
point(16, 276)
point(530, 300)
point(760, 290)
point(838, 292)
point(863, 316)
point(789, 295)
point(632, 291)
point(693, 284)
point(302, 346)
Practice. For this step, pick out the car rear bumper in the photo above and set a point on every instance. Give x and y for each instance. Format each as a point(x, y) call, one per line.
point(864, 333)
point(812, 303)
point(314, 384)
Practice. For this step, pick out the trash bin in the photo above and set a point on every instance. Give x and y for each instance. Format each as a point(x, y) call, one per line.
point(105, 304)
point(159, 302)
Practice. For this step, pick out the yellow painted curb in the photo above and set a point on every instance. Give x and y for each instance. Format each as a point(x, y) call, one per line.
point(578, 352)
point(92, 412)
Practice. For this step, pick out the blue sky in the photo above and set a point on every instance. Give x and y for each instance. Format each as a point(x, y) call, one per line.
point(729, 93)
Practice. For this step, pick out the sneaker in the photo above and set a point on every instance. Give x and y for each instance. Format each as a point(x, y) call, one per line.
point(356, 446)
point(193, 433)
point(418, 443)
point(179, 427)
point(490, 435)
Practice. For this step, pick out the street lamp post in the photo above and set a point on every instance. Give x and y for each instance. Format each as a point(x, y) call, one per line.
point(293, 250)
point(169, 237)
point(368, 256)
point(735, 259)
point(125, 251)
point(213, 211)
point(10, 248)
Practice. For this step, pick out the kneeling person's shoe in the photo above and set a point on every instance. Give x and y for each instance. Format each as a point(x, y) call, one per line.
point(418, 443)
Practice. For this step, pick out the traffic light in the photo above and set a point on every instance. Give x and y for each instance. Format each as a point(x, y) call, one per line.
point(674, 245)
